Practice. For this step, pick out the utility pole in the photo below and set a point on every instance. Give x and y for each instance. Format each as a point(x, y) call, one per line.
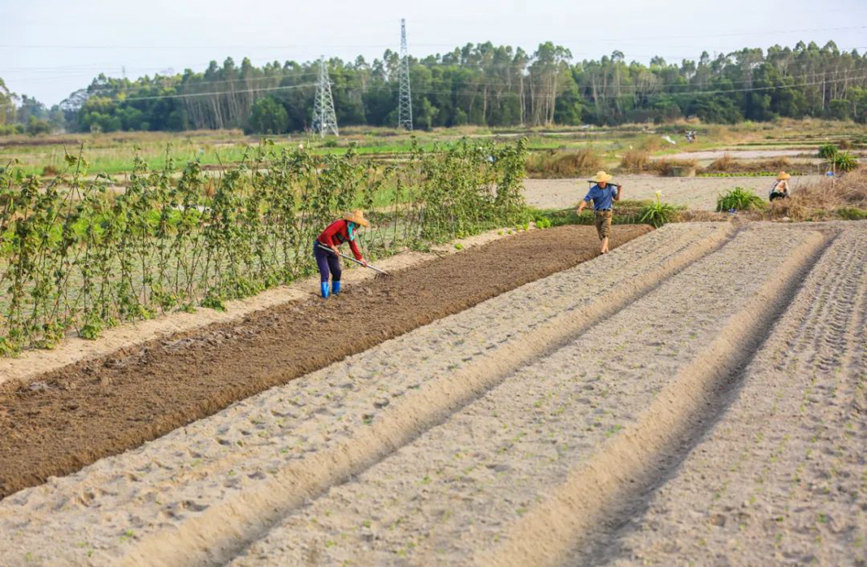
point(404, 101)
point(324, 118)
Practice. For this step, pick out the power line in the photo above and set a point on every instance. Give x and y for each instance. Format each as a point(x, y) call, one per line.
point(607, 38)
point(458, 92)
point(214, 93)
point(311, 73)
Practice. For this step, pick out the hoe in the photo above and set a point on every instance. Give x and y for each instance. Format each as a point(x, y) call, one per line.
point(375, 269)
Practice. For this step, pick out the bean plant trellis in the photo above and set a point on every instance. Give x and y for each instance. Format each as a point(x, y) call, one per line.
point(78, 254)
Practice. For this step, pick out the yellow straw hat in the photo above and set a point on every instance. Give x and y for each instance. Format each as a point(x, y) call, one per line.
point(783, 175)
point(357, 216)
point(601, 176)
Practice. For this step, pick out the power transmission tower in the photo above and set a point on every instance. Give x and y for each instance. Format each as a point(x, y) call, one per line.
point(324, 119)
point(404, 101)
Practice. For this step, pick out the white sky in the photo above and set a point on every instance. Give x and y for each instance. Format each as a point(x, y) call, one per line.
point(49, 48)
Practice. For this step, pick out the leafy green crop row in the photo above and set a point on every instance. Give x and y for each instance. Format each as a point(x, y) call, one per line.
point(76, 256)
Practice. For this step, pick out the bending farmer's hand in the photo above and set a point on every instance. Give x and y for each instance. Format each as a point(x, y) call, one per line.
point(335, 250)
point(364, 262)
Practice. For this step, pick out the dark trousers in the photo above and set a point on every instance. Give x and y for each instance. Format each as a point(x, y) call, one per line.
point(326, 262)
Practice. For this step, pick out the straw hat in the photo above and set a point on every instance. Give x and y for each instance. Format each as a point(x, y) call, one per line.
point(783, 175)
point(602, 177)
point(357, 216)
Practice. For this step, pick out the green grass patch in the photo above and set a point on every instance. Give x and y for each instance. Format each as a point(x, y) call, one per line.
point(625, 212)
point(739, 199)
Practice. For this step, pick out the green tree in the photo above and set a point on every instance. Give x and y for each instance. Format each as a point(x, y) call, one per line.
point(7, 105)
point(268, 117)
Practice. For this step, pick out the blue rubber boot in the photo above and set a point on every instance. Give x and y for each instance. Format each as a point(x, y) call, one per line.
point(324, 290)
point(335, 287)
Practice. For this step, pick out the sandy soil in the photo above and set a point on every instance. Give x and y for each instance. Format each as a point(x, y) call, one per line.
point(682, 400)
point(782, 475)
point(699, 193)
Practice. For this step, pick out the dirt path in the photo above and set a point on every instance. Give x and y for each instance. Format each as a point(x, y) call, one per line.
point(71, 417)
point(698, 193)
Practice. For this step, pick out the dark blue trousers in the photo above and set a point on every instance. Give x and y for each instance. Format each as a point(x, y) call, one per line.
point(326, 262)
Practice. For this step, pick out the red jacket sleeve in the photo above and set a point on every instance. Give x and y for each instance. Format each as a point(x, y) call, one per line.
point(355, 249)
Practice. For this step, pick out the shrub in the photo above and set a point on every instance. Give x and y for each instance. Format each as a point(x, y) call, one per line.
point(658, 213)
point(844, 161)
point(181, 238)
point(739, 199)
point(827, 151)
point(852, 213)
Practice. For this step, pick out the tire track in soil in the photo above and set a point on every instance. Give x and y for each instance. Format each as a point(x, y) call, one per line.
point(81, 413)
point(615, 482)
point(221, 532)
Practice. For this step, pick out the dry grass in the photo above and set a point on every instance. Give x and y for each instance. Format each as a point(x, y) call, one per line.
point(651, 144)
point(673, 167)
point(728, 164)
point(584, 161)
point(845, 197)
point(639, 160)
point(635, 161)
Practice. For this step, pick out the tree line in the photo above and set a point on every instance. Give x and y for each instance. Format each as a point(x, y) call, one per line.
point(478, 84)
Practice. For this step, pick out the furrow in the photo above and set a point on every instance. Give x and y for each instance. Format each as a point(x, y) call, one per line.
point(458, 486)
point(199, 493)
point(220, 532)
point(780, 477)
point(630, 463)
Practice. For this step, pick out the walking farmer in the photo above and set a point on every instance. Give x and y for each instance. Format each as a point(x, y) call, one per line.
point(325, 249)
point(603, 194)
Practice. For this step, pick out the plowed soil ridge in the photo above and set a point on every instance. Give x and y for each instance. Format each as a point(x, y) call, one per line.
point(259, 508)
point(87, 411)
point(790, 489)
point(196, 494)
point(455, 489)
point(636, 460)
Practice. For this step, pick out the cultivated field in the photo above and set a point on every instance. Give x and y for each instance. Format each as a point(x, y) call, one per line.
point(697, 396)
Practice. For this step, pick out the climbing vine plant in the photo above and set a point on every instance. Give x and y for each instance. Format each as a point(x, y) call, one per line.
point(79, 253)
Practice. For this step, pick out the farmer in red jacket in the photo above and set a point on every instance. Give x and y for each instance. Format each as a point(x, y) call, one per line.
point(325, 248)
